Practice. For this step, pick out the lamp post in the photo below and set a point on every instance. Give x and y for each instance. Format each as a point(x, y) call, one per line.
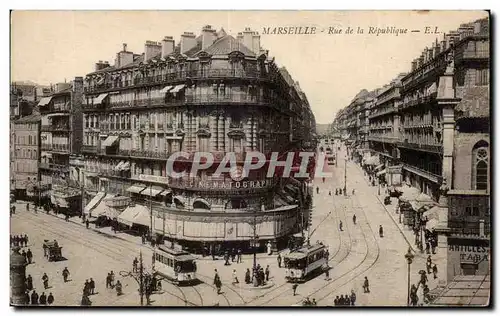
point(345, 175)
point(409, 259)
point(379, 187)
point(138, 277)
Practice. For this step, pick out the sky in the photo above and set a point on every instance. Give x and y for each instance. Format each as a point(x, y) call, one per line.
point(54, 46)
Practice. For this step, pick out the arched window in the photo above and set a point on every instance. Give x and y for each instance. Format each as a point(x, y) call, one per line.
point(480, 166)
point(201, 204)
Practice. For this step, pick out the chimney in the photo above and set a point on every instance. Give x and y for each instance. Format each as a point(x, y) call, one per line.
point(414, 65)
point(256, 43)
point(425, 54)
point(101, 65)
point(188, 41)
point(78, 84)
point(246, 38)
point(151, 49)
point(124, 57)
point(207, 36)
point(167, 46)
point(477, 27)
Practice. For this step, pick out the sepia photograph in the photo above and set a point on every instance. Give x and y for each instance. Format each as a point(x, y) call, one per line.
point(250, 159)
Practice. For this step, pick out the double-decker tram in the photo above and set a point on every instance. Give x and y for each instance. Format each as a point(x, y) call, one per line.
point(175, 265)
point(305, 261)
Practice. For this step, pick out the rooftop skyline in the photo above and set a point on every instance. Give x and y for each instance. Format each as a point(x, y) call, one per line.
point(54, 46)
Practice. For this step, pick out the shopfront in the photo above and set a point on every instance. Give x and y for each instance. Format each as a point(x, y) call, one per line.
point(468, 256)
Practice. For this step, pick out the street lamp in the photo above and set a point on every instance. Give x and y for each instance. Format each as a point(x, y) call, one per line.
point(409, 259)
point(138, 277)
point(345, 175)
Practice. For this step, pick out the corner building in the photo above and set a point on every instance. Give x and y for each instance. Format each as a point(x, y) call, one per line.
point(210, 93)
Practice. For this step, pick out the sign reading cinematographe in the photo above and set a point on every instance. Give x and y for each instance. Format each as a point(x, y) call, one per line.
point(257, 184)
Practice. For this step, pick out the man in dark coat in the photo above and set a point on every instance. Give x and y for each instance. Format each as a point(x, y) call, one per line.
point(65, 274)
point(29, 256)
point(24, 255)
point(34, 298)
point(248, 278)
point(43, 299)
point(45, 280)
point(92, 286)
point(353, 298)
point(336, 301)
point(366, 285)
point(267, 273)
point(50, 299)
point(238, 256)
point(29, 283)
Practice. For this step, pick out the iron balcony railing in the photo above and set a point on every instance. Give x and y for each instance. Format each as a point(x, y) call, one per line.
point(55, 147)
point(182, 75)
point(143, 153)
point(51, 128)
point(468, 228)
point(423, 147)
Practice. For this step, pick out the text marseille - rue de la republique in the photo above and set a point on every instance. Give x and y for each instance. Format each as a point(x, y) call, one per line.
point(311, 30)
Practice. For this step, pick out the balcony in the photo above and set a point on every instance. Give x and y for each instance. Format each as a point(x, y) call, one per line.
point(146, 154)
point(90, 149)
point(147, 103)
point(438, 149)
point(114, 173)
point(55, 128)
point(59, 167)
point(93, 107)
point(384, 139)
point(44, 165)
point(407, 103)
point(468, 228)
point(56, 147)
point(423, 173)
point(59, 108)
point(227, 99)
point(180, 76)
point(118, 202)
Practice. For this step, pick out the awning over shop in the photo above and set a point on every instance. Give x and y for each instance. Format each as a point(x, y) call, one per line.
point(143, 217)
point(110, 141)
point(373, 160)
point(128, 215)
point(102, 209)
point(178, 199)
point(379, 167)
point(166, 192)
point(100, 98)
point(95, 200)
point(125, 166)
point(166, 89)
point(119, 166)
point(44, 101)
point(431, 224)
point(57, 114)
point(409, 193)
point(152, 190)
point(177, 88)
point(136, 188)
point(382, 172)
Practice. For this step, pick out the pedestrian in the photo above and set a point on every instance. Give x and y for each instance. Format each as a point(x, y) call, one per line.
point(354, 219)
point(119, 289)
point(423, 278)
point(353, 298)
point(366, 285)
point(353, 191)
point(43, 299)
point(92, 286)
point(27, 207)
point(435, 270)
point(336, 301)
point(87, 223)
point(34, 298)
point(238, 256)
point(267, 273)
point(429, 260)
point(340, 226)
point(235, 277)
point(433, 245)
point(248, 278)
point(341, 300)
point(13, 209)
point(427, 247)
point(50, 299)
point(381, 231)
point(279, 260)
point(29, 256)
point(327, 274)
point(233, 254)
point(158, 285)
point(347, 299)
point(294, 288)
point(226, 258)
point(323, 179)
point(269, 248)
point(65, 274)
point(330, 193)
point(86, 287)
point(112, 279)
point(23, 253)
point(317, 190)
point(428, 266)
point(314, 303)
point(134, 264)
point(143, 239)
point(337, 191)
point(108, 281)
point(29, 283)
point(45, 280)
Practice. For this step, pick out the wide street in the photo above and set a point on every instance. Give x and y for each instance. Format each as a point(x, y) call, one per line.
point(355, 252)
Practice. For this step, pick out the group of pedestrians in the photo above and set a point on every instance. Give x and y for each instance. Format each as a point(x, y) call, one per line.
point(28, 256)
point(34, 298)
point(345, 300)
point(19, 240)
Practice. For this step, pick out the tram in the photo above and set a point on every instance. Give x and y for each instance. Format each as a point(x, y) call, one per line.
point(330, 159)
point(303, 262)
point(175, 265)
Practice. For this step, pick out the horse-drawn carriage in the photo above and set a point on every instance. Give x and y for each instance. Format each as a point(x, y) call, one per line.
point(52, 251)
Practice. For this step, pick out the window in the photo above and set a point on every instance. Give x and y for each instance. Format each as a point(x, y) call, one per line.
point(482, 77)
point(480, 168)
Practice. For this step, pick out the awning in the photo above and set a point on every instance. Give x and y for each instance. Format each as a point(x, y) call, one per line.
point(378, 167)
point(128, 215)
point(373, 160)
point(165, 90)
point(57, 114)
point(137, 188)
point(110, 141)
point(44, 101)
point(93, 202)
point(143, 217)
point(409, 193)
point(101, 208)
point(177, 88)
point(100, 98)
point(179, 199)
point(431, 224)
point(166, 192)
point(152, 190)
point(125, 166)
point(381, 172)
